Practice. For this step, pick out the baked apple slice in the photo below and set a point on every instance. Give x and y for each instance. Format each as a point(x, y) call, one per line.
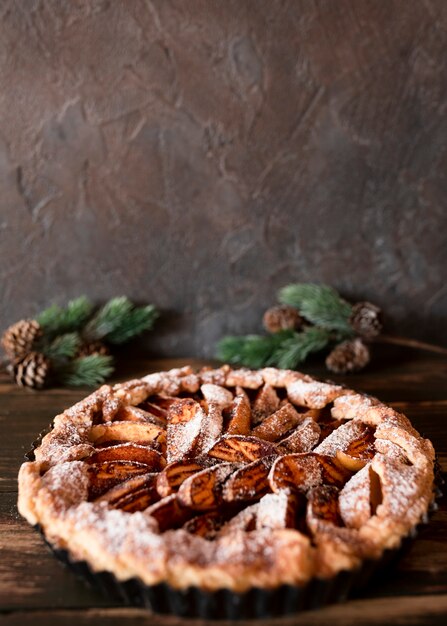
point(169, 513)
point(266, 403)
point(203, 491)
point(296, 472)
point(241, 449)
point(357, 454)
point(185, 423)
point(278, 423)
point(302, 472)
point(129, 452)
point(128, 413)
point(191, 429)
point(333, 472)
point(323, 506)
point(352, 444)
point(157, 411)
point(212, 424)
point(136, 432)
point(250, 482)
point(134, 494)
point(352, 464)
point(217, 395)
point(303, 439)
point(104, 476)
point(327, 427)
point(240, 415)
point(163, 401)
point(139, 500)
point(174, 474)
point(206, 526)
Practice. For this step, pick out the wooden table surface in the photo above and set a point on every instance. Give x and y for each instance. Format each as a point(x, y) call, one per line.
point(35, 589)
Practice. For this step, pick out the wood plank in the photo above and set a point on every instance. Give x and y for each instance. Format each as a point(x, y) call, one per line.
point(428, 418)
point(400, 374)
point(30, 576)
point(423, 568)
point(405, 610)
point(414, 592)
point(395, 374)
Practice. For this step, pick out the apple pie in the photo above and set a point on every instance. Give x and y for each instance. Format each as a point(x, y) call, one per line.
point(228, 479)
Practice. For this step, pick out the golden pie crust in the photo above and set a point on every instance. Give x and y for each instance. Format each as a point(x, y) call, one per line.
point(228, 478)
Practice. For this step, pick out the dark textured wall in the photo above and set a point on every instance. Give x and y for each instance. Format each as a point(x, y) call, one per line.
point(201, 154)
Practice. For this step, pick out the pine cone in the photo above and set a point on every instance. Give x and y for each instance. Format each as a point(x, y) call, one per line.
point(31, 371)
point(281, 317)
point(349, 356)
point(19, 338)
point(92, 347)
point(366, 320)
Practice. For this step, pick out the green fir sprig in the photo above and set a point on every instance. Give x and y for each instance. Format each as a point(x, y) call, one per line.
point(57, 320)
point(309, 319)
point(119, 320)
point(71, 344)
point(66, 330)
point(295, 350)
point(285, 349)
point(252, 350)
point(319, 304)
point(62, 347)
point(87, 371)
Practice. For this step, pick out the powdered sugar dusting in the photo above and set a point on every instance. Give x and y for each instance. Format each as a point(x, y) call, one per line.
point(401, 485)
point(274, 510)
point(344, 436)
point(68, 483)
point(244, 378)
point(313, 394)
point(281, 378)
point(303, 439)
point(183, 437)
point(244, 520)
point(352, 406)
point(354, 499)
point(109, 526)
point(66, 442)
point(250, 538)
point(217, 394)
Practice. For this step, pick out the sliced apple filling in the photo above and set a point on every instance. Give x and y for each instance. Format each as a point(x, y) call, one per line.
point(232, 457)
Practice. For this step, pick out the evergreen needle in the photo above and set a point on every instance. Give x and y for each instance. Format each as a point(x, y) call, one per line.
point(56, 320)
point(88, 371)
point(296, 349)
point(134, 323)
point(319, 304)
point(108, 318)
point(62, 347)
point(252, 350)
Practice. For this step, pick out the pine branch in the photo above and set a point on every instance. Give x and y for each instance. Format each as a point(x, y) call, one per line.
point(63, 347)
point(134, 323)
point(107, 319)
point(319, 304)
point(88, 371)
point(296, 349)
point(252, 350)
point(57, 320)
